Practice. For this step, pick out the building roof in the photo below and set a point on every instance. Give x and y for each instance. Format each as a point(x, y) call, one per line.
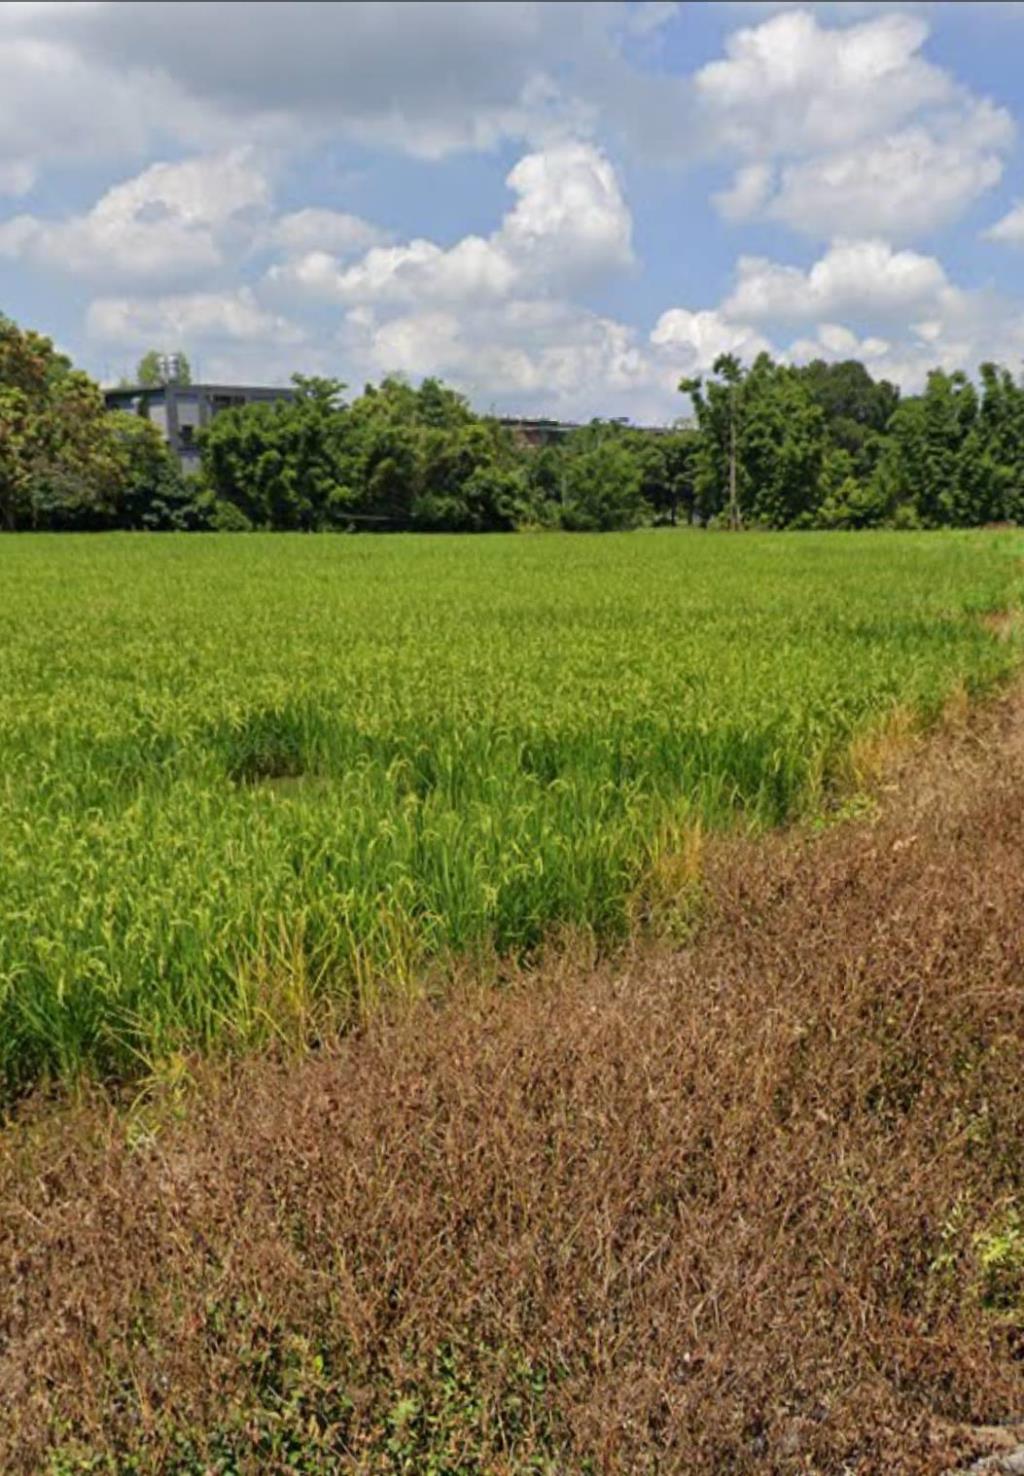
point(219, 389)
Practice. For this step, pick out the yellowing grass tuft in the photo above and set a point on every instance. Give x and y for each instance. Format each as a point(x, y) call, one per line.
point(877, 748)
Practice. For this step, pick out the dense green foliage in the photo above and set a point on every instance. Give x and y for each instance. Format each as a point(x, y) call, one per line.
point(396, 458)
point(826, 446)
point(65, 462)
point(243, 777)
point(774, 446)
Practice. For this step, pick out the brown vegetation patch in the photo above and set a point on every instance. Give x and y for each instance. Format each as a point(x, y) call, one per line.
point(746, 1207)
point(1004, 624)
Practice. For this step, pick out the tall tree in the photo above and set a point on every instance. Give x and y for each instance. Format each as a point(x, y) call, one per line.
point(762, 443)
point(783, 446)
point(603, 490)
point(857, 408)
point(61, 464)
point(280, 463)
point(667, 470)
point(718, 403)
point(991, 480)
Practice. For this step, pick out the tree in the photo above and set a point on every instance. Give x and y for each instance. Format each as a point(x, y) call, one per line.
point(933, 448)
point(846, 500)
point(857, 408)
point(991, 473)
point(281, 463)
point(762, 444)
point(470, 479)
point(149, 372)
point(157, 495)
point(602, 490)
point(782, 446)
point(718, 406)
point(61, 463)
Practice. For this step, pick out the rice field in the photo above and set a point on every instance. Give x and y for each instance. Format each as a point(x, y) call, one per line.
point(249, 783)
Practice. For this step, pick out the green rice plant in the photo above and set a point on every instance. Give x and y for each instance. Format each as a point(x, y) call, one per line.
point(250, 785)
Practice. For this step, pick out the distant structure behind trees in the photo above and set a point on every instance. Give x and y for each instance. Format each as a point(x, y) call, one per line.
point(823, 445)
point(156, 368)
point(180, 409)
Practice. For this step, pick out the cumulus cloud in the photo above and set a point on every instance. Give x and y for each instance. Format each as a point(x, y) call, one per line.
point(494, 313)
point(570, 206)
point(105, 80)
point(569, 225)
point(695, 339)
point(206, 317)
point(1009, 228)
point(472, 268)
point(792, 85)
point(910, 316)
point(903, 186)
point(490, 312)
point(520, 354)
point(866, 278)
point(850, 129)
point(835, 341)
point(750, 189)
point(171, 222)
point(329, 231)
point(843, 130)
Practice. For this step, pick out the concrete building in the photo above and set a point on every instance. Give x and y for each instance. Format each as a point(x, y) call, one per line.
point(542, 431)
point(179, 411)
point(538, 430)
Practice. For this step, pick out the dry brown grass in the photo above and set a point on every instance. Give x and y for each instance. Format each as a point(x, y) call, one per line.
point(745, 1207)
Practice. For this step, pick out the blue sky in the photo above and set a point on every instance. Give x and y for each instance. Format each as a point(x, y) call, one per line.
point(557, 208)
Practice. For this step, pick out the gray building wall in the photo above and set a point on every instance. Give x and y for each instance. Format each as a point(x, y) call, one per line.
point(180, 411)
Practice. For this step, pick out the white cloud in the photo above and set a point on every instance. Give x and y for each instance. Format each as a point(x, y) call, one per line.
point(841, 129)
point(524, 354)
point(105, 80)
point(1009, 228)
point(695, 339)
point(859, 278)
point(570, 212)
point(169, 223)
point(863, 134)
point(473, 268)
point(750, 189)
point(835, 341)
point(791, 85)
point(909, 317)
point(187, 318)
point(60, 106)
point(569, 225)
point(902, 186)
point(316, 230)
point(488, 313)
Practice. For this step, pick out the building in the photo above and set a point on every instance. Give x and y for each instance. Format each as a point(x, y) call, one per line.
point(180, 411)
point(538, 430)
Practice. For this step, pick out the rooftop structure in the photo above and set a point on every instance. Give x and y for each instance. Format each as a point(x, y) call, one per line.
point(180, 411)
point(544, 431)
point(538, 430)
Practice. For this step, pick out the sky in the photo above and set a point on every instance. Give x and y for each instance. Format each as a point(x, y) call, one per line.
point(558, 209)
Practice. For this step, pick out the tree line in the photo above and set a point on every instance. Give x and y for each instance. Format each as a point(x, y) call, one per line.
point(824, 445)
